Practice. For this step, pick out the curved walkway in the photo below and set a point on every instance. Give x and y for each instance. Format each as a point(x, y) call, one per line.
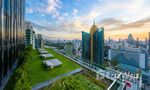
point(48, 82)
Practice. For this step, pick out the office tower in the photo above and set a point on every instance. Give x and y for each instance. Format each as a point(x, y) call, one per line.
point(98, 46)
point(29, 35)
point(93, 45)
point(11, 34)
point(149, 41)
point(137, 42)
point(40, 41)
point(92, 31)
point(85, 45)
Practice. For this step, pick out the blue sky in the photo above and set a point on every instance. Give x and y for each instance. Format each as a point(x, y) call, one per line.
point(65, 19)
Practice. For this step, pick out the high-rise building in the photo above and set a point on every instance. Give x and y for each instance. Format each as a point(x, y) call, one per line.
point(149, 41)
point(98, 46)
point(137, 43)
point(85, 45)
point(93, 45)
point(92, 31)
point(40, 41)
point(29, 35)
point(11, 34)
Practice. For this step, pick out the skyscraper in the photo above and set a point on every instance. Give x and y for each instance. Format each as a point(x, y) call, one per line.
point(149, 41)
point(11, 34)
point(29, 35)
point(93, 45)
point(92, 31)
point(85, 45)
point(98, 46)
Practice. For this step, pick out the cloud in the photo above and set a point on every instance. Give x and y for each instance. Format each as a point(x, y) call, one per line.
point(53, 6)
point(29, 10)
point(75, 11)
point(118, 17)
point(44, 7)
point(113, 24)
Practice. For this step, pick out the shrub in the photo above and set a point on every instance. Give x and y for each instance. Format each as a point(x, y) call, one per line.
point(20, 78)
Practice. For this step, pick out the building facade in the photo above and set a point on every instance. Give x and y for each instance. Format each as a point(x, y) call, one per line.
point(11, 34)
point(135, 59)
point(149, 41)
point(98, 46)
point(93, 45)
point(40, 41)
point(85, 45)
point(92, 31)
point(68, 48)
point(30, 36)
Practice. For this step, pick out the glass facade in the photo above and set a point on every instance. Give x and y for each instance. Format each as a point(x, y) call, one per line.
point(11, 33)
point(85, 45)
point(149, 42)
point(135, 59)
point(98, 46)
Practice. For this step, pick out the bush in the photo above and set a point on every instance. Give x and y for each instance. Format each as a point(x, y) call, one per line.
point(20, 78)
point(114, 62)
point(74, 82)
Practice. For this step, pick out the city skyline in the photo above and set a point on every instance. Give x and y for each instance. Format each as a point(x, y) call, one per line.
point(66, 19)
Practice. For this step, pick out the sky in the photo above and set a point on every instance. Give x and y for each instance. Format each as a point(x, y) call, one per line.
point(65, 19)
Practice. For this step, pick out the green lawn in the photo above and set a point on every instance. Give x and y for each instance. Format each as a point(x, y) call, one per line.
point(39, 74)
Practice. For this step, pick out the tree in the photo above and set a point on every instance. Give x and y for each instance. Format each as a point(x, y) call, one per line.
point(114, 62)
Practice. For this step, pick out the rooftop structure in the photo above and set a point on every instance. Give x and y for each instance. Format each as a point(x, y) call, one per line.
point(43, 52)
point(46, 55)
point(52, 63)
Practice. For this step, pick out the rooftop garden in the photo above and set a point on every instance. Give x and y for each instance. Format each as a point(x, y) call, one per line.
point(31, 71)
point(73, 82)
point(39, 74)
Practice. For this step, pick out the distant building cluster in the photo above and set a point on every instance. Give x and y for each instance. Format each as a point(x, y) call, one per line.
point(129, 44)
point(132, 55)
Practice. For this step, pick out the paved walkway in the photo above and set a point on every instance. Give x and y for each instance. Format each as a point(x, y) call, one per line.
point(48, 82)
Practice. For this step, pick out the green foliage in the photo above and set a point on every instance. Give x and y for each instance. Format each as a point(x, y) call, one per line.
point(20, 77)
point(114, 62)
point(93, 80)
point(105, 64)
point(74, 82)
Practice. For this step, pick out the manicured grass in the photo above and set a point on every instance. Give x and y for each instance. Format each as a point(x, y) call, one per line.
point(39, 74)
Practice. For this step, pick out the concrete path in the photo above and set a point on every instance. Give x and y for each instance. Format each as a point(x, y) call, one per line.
point(48, 82)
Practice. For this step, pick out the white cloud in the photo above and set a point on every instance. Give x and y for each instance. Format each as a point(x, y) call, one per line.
point(53, 6)
point(47, 7)
point(75, 11)
point(126, 11)
point(29, 10)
